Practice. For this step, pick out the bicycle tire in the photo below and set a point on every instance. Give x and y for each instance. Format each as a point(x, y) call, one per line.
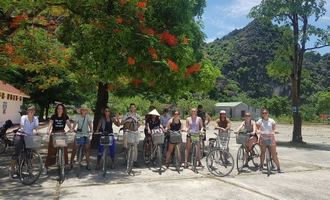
point(159, 157)
point(268, 161)
point(255, 154)
point(105, 161)
point(177, 158)
point(240, 159)
point(193, 158)
point(26, 162)
point(130, 159)
point(202, 149)
point(80, 155)
point(3, 145)
point(216, 156)
point(146, 154)
point(61, 167)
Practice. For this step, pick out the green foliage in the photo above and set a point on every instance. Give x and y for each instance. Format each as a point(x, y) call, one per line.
point(323, 103)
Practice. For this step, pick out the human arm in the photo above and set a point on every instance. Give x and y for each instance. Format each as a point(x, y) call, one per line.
point(207, 120)
point(240, 127)
point(254, 128)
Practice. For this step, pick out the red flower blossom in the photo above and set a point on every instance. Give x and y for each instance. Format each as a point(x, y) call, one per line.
point(170, 39)
point(150, 31)
point(173, 66)
point(153, 53)
point(119, 20)
point(141, 4)
point(122, 2)
point(9, 49)
point(18, 20)
point(140, 15)
point(116, 30)
point(131, 60)
point(193, 69)
point(137, 82)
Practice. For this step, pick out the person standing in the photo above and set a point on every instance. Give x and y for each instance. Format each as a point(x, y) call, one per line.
point(83, 123)
point(57, 124)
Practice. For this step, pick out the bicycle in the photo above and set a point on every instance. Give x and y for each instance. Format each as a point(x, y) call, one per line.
point(4, 141)
point(133, 138)
point(106, 141)
point(60, 141)
point(195, 139)
point(157, 142)
point(29, 161)
point(81, 141)
point(244, 156)
point(176, 140)
point(267, 139)
point(219, 160)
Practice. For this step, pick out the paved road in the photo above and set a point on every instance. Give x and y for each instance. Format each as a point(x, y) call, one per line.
point(306, 176)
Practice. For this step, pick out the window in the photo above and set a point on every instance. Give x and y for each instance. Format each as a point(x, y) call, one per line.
point(8, 96)
point(20, 98)
point(16, 98)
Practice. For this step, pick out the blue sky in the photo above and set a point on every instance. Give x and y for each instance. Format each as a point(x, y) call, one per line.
point(223, 16)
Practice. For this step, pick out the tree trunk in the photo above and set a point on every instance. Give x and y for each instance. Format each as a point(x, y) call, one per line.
point(47, 111)
point(41, 113)
point(101, 102)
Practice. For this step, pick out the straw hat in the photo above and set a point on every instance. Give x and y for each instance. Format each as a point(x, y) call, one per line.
point(31, 107)
point(154, 112)
point(83, 107)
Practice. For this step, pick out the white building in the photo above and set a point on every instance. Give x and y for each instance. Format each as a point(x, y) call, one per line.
point(237, 110)
point(11, 100)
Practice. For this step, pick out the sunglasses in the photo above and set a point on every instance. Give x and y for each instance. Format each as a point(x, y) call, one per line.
point(107, 111)
point(264, 113)
point(176, 113)
point(247, 115)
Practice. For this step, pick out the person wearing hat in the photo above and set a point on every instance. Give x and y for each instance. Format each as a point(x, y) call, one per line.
point(84, 128)
point(29, 124)
point(223, 123)
point(151, 124)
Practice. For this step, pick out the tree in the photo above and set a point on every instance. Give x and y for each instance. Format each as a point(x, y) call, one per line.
point(296, 14)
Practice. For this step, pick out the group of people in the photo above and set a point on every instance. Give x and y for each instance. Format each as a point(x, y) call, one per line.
point(196, 123)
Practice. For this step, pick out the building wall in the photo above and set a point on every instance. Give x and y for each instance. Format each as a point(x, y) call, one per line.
point(236, 111)
point(12, 108)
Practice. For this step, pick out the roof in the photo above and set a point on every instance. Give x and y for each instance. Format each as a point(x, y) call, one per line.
point(5, 87)
point(228, 104)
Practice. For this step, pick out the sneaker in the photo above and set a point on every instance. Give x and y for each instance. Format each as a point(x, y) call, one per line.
point(246, 165)
point(279, 171)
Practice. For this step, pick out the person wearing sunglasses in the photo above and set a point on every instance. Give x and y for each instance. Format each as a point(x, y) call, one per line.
point(223, 123)
point(266, 126)
point(105, 126)
point(248, 126)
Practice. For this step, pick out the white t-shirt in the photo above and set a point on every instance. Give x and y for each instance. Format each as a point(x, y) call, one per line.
point(266, 126)
point(195, 125)
point(29, 126)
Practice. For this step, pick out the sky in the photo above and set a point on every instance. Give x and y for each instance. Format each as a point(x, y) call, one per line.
point(223, 16)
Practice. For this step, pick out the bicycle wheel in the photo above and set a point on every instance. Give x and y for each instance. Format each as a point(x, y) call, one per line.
point(193, 157)
point(105, 161)
point(240, 159)
point(3, 145)
point(79, 159)
point(159, 157)
point(255, 155)
point(61, 168)
point(146, 151)
point(30, 167)
point(177, 158)
point(219, 163)
point(130, 159)
point(268, 161)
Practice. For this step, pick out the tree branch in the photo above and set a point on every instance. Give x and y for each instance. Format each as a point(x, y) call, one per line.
point(318, 47)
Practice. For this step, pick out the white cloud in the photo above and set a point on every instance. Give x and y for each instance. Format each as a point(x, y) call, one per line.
point(239, 8)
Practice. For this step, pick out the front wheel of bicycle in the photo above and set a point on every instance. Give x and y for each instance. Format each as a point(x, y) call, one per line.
point(61, 167)
point(79, 159)
point(268, 161)
point(219, 162)
point(105, 162)
point(130, 159)
point(193, 158)
point(159, 157)
point(255, 155)
point(240, 159)
point(177, 154)
point(30, 167)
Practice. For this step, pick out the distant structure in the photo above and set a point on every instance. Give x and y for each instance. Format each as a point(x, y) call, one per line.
point(237, 110)
point(11, 100)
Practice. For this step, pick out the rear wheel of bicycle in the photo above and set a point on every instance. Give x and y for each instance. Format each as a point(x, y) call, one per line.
point(3, 145)
point(61, 166)
point(30, 167)
point(219, 163)
point(255, 154)
point(130, 159)
point(177, 158)
point(105, 162)
point(240, 161)
point(268, 161)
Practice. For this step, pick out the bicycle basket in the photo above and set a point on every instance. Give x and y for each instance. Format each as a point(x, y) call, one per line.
point(32, 141)
point(195, 137)
point(133, 137)
point(60, 141)
point(242, 138)
point(106, 140)
point(158, 138)
point(175, 137)
point(81, 140)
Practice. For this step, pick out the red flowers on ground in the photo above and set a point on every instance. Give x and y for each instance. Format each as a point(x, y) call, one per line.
point(153, 53)
point(173, 66)
point(131, 60)
point(170, 39)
